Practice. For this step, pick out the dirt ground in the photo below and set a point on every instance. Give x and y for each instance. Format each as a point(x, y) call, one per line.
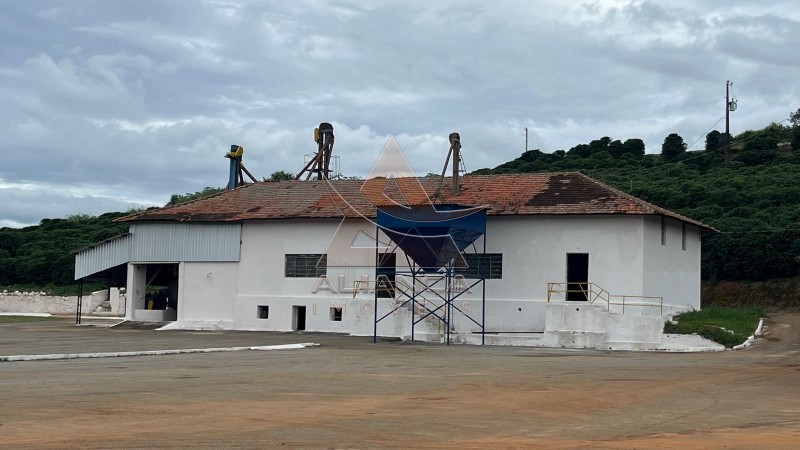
point(350, 393)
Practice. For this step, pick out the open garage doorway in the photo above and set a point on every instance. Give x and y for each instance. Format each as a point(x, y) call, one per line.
point(154, 291)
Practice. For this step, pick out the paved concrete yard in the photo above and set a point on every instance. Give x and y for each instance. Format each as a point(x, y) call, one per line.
point(352, 393)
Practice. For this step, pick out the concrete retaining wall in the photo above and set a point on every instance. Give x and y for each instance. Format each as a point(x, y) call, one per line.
point(580, 325)
point(38, 302)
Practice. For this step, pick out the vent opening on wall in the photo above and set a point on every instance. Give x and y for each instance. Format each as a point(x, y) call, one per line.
point(336, 313)
point(263, 311)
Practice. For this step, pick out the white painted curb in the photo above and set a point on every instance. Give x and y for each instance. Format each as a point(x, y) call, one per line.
point(749, 341)
point(153, 352)
point(25, 314)
point(117, 318)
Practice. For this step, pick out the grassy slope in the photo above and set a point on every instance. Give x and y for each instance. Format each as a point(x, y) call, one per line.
point(726, 325)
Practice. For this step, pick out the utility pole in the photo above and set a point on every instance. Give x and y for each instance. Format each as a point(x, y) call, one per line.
point(730, 105)
point(526, 139)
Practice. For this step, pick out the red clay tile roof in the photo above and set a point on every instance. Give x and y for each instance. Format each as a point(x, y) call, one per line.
point(569, 193)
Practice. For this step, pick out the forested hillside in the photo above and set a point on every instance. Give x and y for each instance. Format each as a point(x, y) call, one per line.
point(42, 255)
point(754, 202)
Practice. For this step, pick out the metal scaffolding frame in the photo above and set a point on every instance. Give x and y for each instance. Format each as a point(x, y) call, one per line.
point(445, 312)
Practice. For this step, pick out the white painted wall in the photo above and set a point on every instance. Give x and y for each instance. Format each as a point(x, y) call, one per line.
point(137, 282)
point(535, 251)
point(38, 303)
point(262, 283)
point(207, 291)
point(625, 257)
point(670, 271)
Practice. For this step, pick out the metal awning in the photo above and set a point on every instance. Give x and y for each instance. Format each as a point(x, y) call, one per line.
point(103, 255)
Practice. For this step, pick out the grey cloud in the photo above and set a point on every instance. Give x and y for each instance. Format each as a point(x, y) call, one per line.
point(771, 50)
point(139, 100)
point(22, 204)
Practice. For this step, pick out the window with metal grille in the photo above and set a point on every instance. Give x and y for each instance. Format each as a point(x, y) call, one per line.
point(305, 266)
point(493, 269)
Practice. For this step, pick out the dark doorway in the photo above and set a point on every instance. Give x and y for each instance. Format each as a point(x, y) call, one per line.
point(577, 276)
point(299, 319)
point(387, 270)
point(161, 287)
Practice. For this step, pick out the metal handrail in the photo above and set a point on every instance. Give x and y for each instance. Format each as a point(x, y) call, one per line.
point(593, 292)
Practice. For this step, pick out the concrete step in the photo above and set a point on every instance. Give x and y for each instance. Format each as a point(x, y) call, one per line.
point(665, 343)
point(508, 339)
point(133, 325)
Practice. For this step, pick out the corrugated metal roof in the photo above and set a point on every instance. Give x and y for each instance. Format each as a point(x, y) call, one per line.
point(103, 255)
point(166, 242)
point(568, 193)
point(163, 242)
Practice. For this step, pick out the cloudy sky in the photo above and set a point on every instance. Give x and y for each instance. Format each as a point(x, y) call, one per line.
point(110, 105)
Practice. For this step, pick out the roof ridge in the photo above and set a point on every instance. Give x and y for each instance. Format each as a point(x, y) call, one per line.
point(162, 208)
point(505, 194)
point(655, 209)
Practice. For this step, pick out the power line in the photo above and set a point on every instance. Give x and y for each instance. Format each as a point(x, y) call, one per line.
point(706, 132)
point(766, 74)
point(692, 104)
point(777, 90)
point(742, 141)
point(695, 103)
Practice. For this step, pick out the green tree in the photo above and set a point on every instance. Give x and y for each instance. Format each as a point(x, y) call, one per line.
point(616, 148)
point(8, 268)
point(761, 146)
point(634, 147)
point(794, 120)
point(177, 199)
point(43, 255)
point(673, 147)
point(713, 141)
point(580, 150)
point(281, 175)
point(599, 145)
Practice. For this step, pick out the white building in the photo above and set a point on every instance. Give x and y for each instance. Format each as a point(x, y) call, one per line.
point(285, 256)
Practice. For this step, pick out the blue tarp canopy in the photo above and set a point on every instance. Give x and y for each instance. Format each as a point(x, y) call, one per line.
point(433, 236)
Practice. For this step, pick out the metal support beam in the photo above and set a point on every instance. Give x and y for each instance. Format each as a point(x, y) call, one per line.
point(79, 306)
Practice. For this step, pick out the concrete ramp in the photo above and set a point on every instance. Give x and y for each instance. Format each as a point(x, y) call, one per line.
point(582, 325)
